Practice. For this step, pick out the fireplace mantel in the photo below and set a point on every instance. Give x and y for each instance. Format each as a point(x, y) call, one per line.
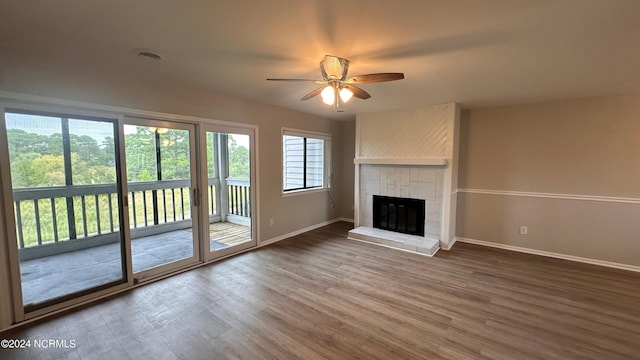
point(417, 161)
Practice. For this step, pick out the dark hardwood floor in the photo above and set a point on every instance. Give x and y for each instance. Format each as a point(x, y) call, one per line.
point(321, 296)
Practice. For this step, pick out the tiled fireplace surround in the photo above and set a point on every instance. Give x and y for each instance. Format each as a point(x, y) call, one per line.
point(405, 181)
point(415, 182)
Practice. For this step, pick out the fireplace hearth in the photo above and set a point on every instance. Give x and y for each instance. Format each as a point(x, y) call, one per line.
point(401, 215)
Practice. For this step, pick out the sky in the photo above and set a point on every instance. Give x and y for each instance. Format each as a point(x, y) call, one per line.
point(47, 125)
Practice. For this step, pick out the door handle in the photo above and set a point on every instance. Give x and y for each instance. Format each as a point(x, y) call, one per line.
point(196, 197)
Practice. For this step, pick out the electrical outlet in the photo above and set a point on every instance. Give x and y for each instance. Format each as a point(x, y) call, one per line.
point(271, 222)
point(524, 230)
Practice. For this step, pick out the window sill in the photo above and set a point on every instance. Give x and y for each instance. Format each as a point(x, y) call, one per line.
point(303, 192)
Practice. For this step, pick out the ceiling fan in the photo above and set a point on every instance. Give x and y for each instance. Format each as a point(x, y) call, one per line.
point(337, 86)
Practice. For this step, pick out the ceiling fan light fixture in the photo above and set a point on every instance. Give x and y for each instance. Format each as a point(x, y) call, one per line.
point(328, 95)
point(345, 94)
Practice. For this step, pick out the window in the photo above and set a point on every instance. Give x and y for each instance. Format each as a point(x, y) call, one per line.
point(58, 150)
point(304, 160)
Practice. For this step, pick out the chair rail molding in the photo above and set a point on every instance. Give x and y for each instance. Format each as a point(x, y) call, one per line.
point(614, 199)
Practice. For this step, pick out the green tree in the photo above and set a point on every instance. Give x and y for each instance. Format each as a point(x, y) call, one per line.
point(239, 160)
point(87, 148)
point(32, 170)
point(88, 174)
point(54, 144)
point(108, 149)
point(22, 142)
point(37, 161)
point(141, 155)
point(175, 155)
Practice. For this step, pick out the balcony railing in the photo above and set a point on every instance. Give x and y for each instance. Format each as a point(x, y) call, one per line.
point(159, 206)
point(66, 218)
point(239, 199)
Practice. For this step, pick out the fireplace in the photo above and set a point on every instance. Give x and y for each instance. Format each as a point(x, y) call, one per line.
point(401, 215)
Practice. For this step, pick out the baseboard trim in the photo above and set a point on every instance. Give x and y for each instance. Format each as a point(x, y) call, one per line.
point(551, 254)
point(298, 232)
point(453, 242)
point(346, 220)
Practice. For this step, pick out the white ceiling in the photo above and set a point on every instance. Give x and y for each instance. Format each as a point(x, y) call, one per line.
point(476, 53)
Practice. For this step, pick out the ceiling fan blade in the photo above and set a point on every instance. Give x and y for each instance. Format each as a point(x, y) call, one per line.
point(374, 78)
point(301, 80)
point(357, 92)
point(315, 92)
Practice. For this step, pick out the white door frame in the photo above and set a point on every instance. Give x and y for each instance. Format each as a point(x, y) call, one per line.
point(164, 269)
point(251, 131)
point(19, 313)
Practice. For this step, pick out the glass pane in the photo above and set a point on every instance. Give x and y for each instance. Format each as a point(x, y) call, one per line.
point(293, 162)
point(238, 150)
point(92, 152)
point(315, 162)
point(175, 154)
point(35, 150)
point(231, 225)
point(213, 182)
point(141, 153)
point(68, 236)
point(211, 159)
point(159, 171)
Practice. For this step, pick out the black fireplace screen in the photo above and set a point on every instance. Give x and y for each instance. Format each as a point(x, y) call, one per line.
point(399, 214)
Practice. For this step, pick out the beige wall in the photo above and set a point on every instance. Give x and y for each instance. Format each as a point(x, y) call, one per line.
point(588, 147)
point(346, 170)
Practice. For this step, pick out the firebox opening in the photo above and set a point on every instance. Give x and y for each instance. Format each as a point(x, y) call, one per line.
point(399, 214)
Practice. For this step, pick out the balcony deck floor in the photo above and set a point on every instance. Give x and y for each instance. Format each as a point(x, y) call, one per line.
point(57, 275)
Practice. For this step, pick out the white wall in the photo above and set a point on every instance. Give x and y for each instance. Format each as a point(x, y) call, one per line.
point(407, 133)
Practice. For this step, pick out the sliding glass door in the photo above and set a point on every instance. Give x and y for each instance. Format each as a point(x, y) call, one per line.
point(66, 205)
point(162, 194)
point(102, 202)
point(228, 158)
